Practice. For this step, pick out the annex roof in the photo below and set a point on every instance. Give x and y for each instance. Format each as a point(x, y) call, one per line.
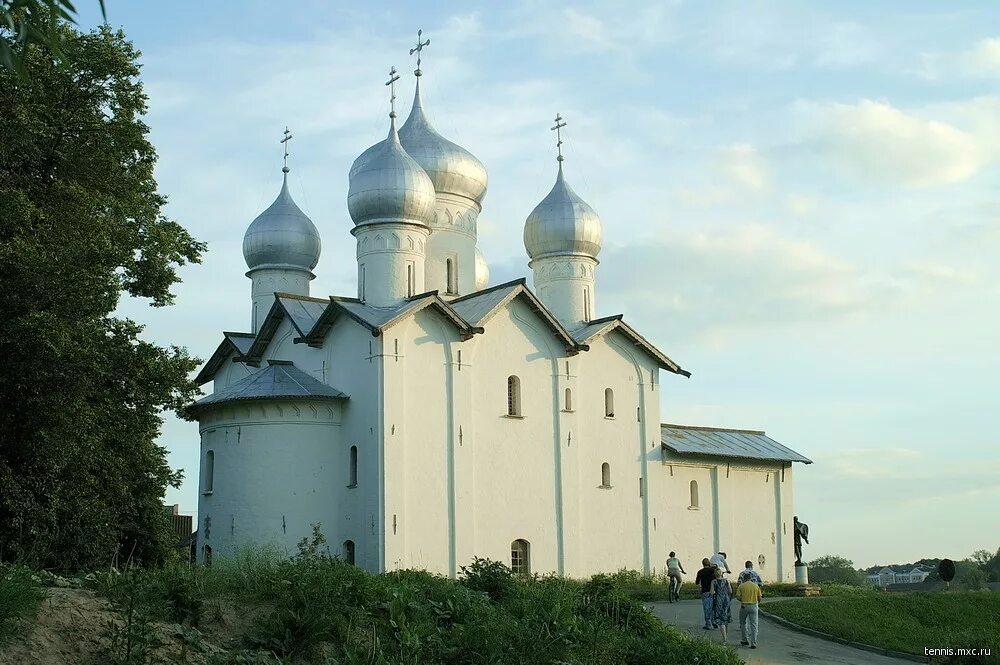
point(718, 442)
point(603, 326)
point(232, 342)
point(280, 380)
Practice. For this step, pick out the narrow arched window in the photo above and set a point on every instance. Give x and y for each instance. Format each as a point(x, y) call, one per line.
point(207, 556)
point(409, 280)
point(609, 403)
point(354, 467)
point(450, 276)
point(569, 399)
point(361, 282)
point(694, 493)
point(520, 557)
point(349, 551)
point(513, 396)
point(586, 304)
point(209, 471)
point(605, 475)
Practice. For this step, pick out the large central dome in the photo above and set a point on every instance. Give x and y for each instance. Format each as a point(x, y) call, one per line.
point(453, 169)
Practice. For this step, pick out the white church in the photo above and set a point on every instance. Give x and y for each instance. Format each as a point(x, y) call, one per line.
point(431, 417)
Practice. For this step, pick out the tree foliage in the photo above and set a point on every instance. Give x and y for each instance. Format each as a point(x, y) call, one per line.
point(832, 568)
point(81, 223)
point(32, 22)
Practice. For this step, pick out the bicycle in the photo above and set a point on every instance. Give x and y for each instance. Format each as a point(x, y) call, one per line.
point(674, 590)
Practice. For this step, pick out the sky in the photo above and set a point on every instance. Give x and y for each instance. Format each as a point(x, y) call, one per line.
point(799, 200)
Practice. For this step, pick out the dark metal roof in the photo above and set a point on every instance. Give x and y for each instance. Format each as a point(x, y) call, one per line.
point(718, 442)
point(232, 342)
point(598, 327)
point(280, 380)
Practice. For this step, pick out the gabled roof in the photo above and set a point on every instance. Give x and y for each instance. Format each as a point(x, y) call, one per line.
point(378, 319)
point(280, 380)
point(718, 442)
point(232, 342)
point(303, 311)
point(600, 327)
point(478, 307)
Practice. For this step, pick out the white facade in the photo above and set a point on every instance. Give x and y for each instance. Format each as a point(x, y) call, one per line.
point(422, 429)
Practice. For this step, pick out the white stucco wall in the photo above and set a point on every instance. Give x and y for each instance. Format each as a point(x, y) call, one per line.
point(453, 235)
point(444, 474)
point(272, 464)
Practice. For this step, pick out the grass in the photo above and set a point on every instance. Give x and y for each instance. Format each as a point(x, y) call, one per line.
point(313, 609)
point(906, 622)
point(20, 597)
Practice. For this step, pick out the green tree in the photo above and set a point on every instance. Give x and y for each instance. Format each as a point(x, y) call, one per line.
point(832, 568)
point(81, 395)
point(32, 22)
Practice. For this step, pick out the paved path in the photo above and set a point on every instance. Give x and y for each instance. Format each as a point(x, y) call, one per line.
point(776, 644)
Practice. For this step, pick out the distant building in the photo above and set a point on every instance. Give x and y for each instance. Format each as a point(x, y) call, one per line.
point(182, 527)
point(884, 576)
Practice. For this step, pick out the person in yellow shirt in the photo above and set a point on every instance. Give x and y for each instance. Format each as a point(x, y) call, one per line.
point(749, 594)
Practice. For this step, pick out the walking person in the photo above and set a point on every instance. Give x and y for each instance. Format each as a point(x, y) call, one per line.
point(705, 577)
point(674, 571)
point(722, 597)
point(749, 594)
point(719, 561)
point(749, 573)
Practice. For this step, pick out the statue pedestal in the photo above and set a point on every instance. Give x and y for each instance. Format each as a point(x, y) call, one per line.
point(802, 574)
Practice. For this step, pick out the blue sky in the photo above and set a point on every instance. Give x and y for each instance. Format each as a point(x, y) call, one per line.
point(799, 204)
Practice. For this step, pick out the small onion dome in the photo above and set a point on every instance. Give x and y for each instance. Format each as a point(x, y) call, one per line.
point(386, 185)
point(482, 271)
point(562, 223)
point(453, 169)
point(282, 237)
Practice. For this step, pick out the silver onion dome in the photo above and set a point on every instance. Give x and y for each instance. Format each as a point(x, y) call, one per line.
point(387, 185)
point(562, 223)
point(282, 236)
point(482, 271)
point(452, 168)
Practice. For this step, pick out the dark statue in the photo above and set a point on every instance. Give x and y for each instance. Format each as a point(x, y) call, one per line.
point(801, 530)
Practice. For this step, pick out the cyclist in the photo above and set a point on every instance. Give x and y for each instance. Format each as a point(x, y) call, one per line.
point(674, 571)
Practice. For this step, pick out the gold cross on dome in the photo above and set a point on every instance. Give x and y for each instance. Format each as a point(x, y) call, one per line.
point(558, 130)
point(393, 77)
point(418, 48)
point(284, 142)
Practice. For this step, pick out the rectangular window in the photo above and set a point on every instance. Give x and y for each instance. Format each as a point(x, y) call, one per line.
point(209, 471)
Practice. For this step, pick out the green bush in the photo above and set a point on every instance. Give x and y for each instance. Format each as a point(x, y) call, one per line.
point(20, 597)
point(491, 577)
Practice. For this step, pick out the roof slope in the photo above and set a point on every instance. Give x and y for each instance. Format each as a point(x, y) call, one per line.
point(232, 342)
point(303, 311)
point(600, 327)
point(280, 380)
point(718, 442)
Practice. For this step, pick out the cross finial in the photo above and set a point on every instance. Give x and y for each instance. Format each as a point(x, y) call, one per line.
point(284, 142)
point(418, 48)
point(560, 123)
point(393, 77)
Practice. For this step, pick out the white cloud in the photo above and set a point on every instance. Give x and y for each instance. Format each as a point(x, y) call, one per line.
point(941, 273)
point(589, 30)
point(744, 165)
point(719, 281)
point(875, 141)
point(982, 59)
